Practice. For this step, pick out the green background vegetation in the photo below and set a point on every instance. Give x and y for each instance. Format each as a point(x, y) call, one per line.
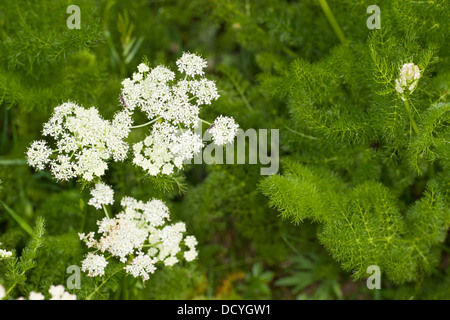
point(356, 186)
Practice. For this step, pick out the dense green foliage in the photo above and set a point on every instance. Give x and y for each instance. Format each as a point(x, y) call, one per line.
point(357, 186)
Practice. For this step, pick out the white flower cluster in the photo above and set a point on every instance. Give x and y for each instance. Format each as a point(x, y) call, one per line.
point(176, 105)
point(4, 254)
point(93, 264)
point(56, 292)
point(59, 293)
point(38, 154)
point(84, 142)
point(223, 130)
point(191, 64)
point(191, 243)
point(408, 79)
point(165, 149)
point(102, 194)
point(139, 236)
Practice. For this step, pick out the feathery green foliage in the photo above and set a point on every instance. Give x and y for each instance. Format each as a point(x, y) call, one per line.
point(18, 267)
point(357, 166)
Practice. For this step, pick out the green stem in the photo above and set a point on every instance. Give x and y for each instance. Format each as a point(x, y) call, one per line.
point(301, 134)
point(102, 284)
point(334, 24)
point(208, 123)
point(106, 211)
point(411, 117)
point(145, 124)
point(11, 288)
point(151, 245)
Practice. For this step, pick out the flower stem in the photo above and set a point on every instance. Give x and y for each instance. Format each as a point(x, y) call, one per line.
point(208, 123)
point(301, 134)
point(11, 288)
point(145, 124)
point(106, 211)
point(151, 245)
point(334, 24)
point(411, 117)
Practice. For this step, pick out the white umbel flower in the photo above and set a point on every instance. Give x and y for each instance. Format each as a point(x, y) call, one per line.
point(223, 130)
point(190, 242)
point(154, 212)
point(158, 93)
point(408, 79)
point(36, 296)
point(166, 148)
point(142, 68)
point(141, 266)
point(204, 90)
point(84, 142)
point(169, 239)
point(121, 237)
point(38, 154)
point(142, 231)
point(170, 261)
point(4, 254)
point(59, 293)
point(173, 107)
point(190, 255)
point(94, 265)
point(191, 64)
point(88, 239)
point(102, 194)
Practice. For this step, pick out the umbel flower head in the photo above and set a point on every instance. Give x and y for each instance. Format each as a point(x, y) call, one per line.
point(223, 130)
point(139, 236)
point(159, 94)
point(173, 106)
point(191, 64)
point(38, 154)
point(94, 264)
point(408, 79)
point(4, 254)
point(102, 194)
point(166, 148)
point(84, 142)
point(56, 292)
